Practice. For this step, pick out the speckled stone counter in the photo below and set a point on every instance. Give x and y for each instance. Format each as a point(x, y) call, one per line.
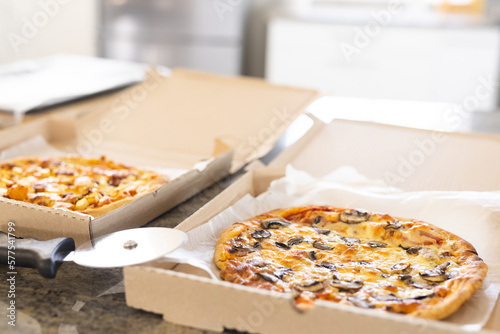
point(87, 300)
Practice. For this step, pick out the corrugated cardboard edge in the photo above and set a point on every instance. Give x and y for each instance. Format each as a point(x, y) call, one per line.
point(265, 146)
point(222, 305)
point(83, 228)
point(64, 223)
point(248, 309)
point(170, 195)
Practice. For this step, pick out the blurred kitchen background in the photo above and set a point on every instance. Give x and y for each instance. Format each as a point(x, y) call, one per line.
point(409, 50)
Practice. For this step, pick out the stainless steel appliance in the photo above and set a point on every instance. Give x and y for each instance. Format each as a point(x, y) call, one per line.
point(200, 34)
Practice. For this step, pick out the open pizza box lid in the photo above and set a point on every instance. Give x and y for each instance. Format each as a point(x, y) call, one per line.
point(201, 124)
point(178, 292)
point(407, 158)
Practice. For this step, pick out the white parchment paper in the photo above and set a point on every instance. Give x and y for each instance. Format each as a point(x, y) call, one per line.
point(474, 216)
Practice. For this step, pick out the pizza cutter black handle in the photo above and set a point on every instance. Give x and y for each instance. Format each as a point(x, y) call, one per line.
point(46, 256)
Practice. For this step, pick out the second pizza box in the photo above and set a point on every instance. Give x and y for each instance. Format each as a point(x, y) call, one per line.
point(198, 127)
point(378, 151)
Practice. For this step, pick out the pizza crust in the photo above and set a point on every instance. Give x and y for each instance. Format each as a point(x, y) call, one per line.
point(236, 267)
point(463, 290)
point(228, 234)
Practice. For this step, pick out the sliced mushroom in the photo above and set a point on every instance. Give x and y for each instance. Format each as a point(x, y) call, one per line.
point(322, 231)
point(395, 225)
point(317, 220)
point(392, 297)
point(363, 263)
point(235, 249)
point(445, 254)
point(282, 271)
point(386, 298)
point(315, 286)
point(430, 295)
point(321, 245)
point(312, 255)
point(401, 268)
point(295, 241)
point(259, 263)
point(354, 216)
point(434, 276)
point(260, 234)
point(281, 245)
point(327, 265)
point(273, 223)
point(404, 278)
point(438, 274)
point(411, 250)
point(420, 285)
point(376, 244)
point(347, 286)
point(360, 302)
point(268, 277)
point(442, 267)
point(243, 248)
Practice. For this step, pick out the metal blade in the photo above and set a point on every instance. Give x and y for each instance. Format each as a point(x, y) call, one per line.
point(70, 257)
point(128, 247)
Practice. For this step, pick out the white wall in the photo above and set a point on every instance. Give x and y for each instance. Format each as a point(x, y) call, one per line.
point(420, 64)
point(30, 29)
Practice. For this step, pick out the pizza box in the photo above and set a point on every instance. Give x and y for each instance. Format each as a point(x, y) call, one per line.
point(198, 125)
point(178, 292)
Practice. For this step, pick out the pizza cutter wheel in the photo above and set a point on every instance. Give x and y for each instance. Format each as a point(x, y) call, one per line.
point(119, 249)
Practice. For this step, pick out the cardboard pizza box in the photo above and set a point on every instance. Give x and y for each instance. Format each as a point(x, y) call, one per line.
point(202, 124)
point(178, 292)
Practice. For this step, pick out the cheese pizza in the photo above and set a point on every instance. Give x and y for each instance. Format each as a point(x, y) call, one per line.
point(352, 257)
point(91, 186)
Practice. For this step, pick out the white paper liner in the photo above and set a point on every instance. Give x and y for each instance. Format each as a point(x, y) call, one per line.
point(473, 216)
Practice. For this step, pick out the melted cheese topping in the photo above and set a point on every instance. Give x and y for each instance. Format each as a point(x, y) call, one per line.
point(397, 266)
point(74, 183)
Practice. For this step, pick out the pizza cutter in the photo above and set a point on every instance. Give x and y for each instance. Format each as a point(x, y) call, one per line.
point(119, 249)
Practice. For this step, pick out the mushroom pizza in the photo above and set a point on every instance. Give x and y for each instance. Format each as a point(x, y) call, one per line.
point(352, 257)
